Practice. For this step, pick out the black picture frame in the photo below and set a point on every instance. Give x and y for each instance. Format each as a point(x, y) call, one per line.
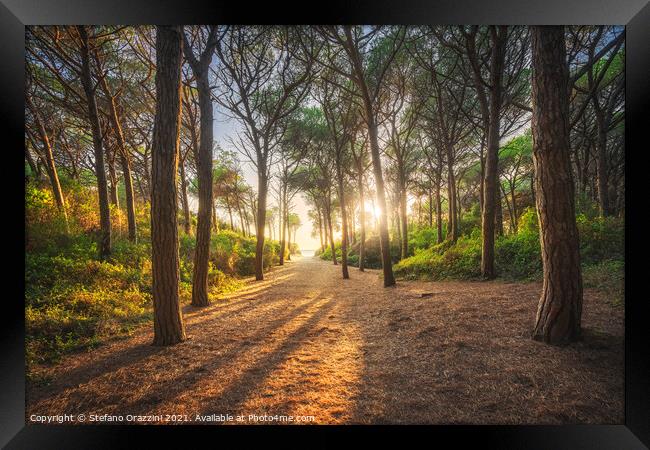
point(635, 14)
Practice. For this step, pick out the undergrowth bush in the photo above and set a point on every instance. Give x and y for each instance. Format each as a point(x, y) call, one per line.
point(518, 255)
point(73, 301)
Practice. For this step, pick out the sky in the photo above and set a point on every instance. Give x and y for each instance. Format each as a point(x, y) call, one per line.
point(225, 127)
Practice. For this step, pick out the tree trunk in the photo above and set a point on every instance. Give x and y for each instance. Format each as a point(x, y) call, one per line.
point(560, 306)
point(214, 218)
point(452, 228)
point(438, 211)
point(49, 160)
point(232, 223)
point(430, 207)
point(125, 159)
point(344, 222)
point(384, 240)
point(492, 157)
point(100, 170)
point(112, 175)
point(320, 228)
point(362, 219)
point(187, 226)
point(204, 173)
point(601, 161)
point(130, 197)
point(515, 213)
point(498, 216)
point(283, 216)
point(286, 226)
point(168, 320)
point(405, 234)
point(261, 221)
point(331, 231)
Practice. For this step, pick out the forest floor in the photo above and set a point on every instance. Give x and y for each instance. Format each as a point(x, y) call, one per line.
point(305, 342)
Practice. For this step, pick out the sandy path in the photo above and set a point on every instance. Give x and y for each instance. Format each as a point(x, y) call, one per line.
point(304, 342)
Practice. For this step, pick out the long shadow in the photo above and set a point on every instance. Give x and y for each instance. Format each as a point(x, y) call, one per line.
point(236, 393)
point(93, 369)
point(98, 367)
point(242, 295)
point(190, 378)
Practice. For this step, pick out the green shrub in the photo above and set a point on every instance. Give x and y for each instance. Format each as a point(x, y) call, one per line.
point(372, 253)
point(74, 302)
point(422, 238)
point(607, 276)
point(461, 260)
point(517, 256)
point(601, 238)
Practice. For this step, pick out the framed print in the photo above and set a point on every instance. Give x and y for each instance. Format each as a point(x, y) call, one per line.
point(384, 219)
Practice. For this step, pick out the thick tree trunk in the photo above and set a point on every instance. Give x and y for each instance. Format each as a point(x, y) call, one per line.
point(492, 157)
point(204, 172)
point(100, 170)
point(168, 320)
point(560, 306)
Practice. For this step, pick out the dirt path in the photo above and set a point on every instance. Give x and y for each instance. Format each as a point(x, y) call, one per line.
point(304, 342)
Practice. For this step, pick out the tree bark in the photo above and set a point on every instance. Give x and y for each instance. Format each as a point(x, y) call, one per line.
point(125, 159)
point(204, 171)
point(438, 214)
point(404, 219)
point(112, 175)
point(362, 219)
point(100, 170)
point(49, 162)
point(430, 193)
point(452, 228)
point(283, 216)
point(168, 320)
point(498, 216)
point(560, 306)
point(384, 239)
point(331, 230)
point(344, 221)
point(187, 226)
point(601, 160)
point(262, 183)
point(492, 154)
